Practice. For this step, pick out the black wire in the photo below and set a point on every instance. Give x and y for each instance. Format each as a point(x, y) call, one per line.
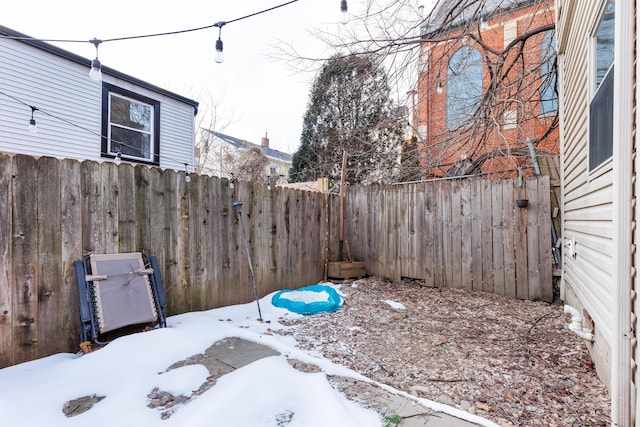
point(218, 24)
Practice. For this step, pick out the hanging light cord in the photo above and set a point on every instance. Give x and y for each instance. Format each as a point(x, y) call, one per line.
point(218, 24)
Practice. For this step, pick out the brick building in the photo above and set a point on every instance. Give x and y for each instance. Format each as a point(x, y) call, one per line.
point(486, 87)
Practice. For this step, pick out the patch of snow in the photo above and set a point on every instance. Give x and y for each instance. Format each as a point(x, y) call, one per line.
point(394, 304)
point(306, 296)
point(127, 370)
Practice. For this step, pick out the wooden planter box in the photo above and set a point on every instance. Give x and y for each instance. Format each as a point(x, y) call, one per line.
point(346, 270)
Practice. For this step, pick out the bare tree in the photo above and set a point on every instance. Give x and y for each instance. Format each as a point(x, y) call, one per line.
point(248, 165)
point(211, 118)
point(462, 125)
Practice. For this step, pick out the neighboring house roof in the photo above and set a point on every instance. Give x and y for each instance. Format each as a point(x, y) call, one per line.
point(450, 15)
point(64, 54)
point(245, 145)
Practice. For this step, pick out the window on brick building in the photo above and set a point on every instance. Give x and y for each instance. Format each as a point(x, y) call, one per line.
point(601, 106)
point(548, 95)
point(464, 86)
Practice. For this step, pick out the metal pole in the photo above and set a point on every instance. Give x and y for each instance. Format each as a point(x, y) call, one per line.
point(237, 205)
point(534, 157)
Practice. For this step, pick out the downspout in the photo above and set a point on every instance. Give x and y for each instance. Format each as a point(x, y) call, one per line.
point(621, 351)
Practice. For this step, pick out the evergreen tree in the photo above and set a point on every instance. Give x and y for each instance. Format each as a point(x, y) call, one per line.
point(349, 109)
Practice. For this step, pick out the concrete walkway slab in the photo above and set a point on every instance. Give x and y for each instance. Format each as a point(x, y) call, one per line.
point(229, 354)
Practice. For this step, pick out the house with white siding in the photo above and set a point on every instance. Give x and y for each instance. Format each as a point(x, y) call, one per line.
point(118, 118)
point(598, 81)
point(225, 156)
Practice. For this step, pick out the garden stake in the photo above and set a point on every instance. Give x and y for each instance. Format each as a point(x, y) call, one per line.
point(237, 205)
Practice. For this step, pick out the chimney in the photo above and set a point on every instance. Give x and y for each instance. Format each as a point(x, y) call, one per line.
point(265, 141)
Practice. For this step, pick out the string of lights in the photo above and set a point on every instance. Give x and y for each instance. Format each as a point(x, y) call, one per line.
point(96, 74)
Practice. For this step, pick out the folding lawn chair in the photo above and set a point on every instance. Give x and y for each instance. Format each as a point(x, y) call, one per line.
point(119, 294)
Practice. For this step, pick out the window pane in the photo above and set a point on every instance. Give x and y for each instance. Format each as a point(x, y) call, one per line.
point(601, 124)
point(548, 96)
point(131, 114)
point(130, 142)
point(604, 40)
point(464, 85)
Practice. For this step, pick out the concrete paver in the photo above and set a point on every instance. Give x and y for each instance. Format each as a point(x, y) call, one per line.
point(234, 353)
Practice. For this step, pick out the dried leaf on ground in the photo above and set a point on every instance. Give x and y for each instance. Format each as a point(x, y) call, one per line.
point(511, 361)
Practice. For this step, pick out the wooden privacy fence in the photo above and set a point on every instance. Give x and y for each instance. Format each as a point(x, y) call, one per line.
point(466, 234)
point(53, 212)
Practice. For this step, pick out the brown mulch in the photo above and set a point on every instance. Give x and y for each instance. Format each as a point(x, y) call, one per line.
point(513, 362)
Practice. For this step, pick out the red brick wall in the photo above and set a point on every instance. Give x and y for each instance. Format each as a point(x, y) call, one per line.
point(441, 147)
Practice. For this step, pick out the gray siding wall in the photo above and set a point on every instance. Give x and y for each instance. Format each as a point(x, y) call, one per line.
point(588, 197)
point(63, 89)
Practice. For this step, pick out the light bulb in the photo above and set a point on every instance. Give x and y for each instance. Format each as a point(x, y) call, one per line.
point(118, 159)
point(344, 9)
point(96, 70)
point(219, 58)
point(32, 122)
point(231, 184)
point(187, 176)
point(439, 88)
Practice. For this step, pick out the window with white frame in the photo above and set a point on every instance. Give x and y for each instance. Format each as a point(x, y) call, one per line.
point(131, 126)
point(601, 105)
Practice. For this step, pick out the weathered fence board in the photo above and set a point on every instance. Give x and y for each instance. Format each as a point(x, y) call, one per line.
point(6, 264)
point(49, 273)
point(466, 235)
point(471, 235)
point(25, 258)
point(71, 246)
point(487, 237)
point(475, 203)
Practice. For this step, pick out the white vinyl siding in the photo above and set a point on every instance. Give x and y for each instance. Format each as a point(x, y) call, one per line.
point(55, 86)
point(176, 136)
point(588, 196)
point(63, 88)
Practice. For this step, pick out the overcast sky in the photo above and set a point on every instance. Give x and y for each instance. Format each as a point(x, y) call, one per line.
point(257, 93)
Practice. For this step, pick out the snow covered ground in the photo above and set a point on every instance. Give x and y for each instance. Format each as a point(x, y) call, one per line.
point(267, 392)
